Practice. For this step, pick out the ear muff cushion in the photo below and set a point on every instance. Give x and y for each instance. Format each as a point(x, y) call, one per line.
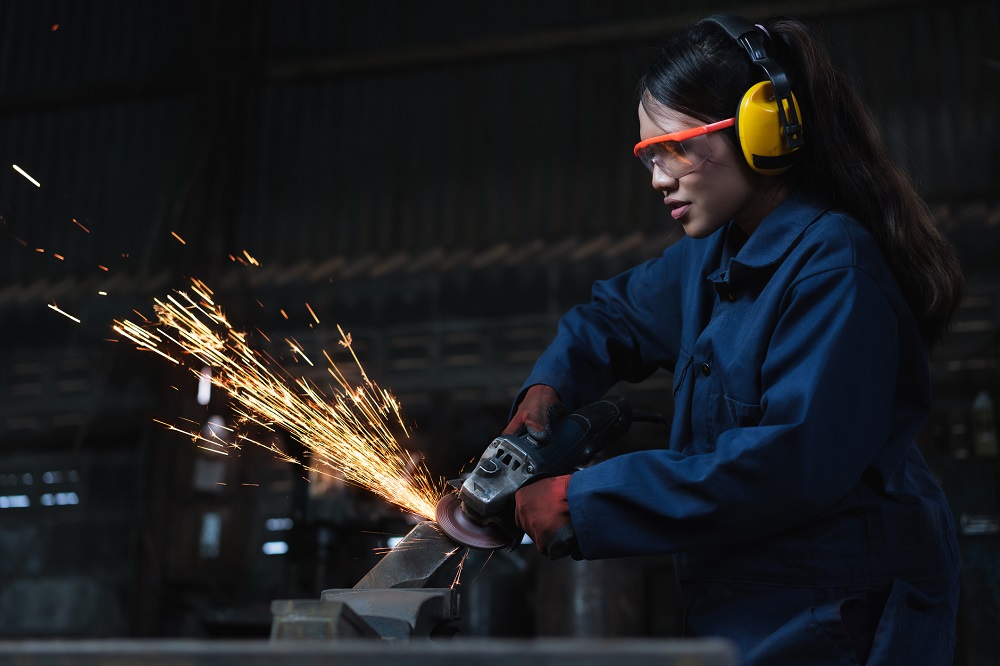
point(758, 127)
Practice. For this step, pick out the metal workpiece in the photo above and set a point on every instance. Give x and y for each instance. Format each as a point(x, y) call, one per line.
point(425, 557)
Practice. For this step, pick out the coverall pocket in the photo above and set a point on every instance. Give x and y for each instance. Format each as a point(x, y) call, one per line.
point(742, 414)
point(826, 619)
point(908, 634)
point(810, 637)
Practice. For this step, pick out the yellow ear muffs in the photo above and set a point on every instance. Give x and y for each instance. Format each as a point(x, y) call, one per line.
point(760, 133)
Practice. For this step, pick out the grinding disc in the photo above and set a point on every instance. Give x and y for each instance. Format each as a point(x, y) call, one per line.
point(461, 529)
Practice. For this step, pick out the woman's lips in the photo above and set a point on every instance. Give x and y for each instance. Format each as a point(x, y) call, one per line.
point(678, 208)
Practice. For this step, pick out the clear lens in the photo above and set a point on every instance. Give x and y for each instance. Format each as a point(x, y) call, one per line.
point(676, 158)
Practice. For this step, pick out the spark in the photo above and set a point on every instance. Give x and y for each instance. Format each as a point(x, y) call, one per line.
point(59, 256)
point(253, 261)
point(283, 313)
point(312, 313)
point(103, 268)
point(63, 313)
point(349, 434)
point(488, 558)
point(25, 174)
point(174, 234)
point(297, 349)
point(461, 565)
point(200, 288)
point(80, 225)
point(102, 293)
point(138, 335)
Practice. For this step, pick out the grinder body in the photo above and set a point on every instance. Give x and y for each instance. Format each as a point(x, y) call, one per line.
point(481, 513)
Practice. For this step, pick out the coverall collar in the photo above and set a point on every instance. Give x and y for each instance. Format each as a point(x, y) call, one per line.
point(776, 233)
point(755, 258)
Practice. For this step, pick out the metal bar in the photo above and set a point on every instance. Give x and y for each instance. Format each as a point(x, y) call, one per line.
point(482, 652)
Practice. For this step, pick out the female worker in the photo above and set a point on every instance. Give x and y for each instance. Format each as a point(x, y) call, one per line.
point(796, 315)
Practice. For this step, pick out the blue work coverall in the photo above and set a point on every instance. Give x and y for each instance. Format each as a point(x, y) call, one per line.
point(792, 487)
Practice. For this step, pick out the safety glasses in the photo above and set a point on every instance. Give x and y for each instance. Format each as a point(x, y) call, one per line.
point(679, 153)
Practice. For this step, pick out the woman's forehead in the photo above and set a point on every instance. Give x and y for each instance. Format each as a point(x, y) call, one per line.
point(663, 118)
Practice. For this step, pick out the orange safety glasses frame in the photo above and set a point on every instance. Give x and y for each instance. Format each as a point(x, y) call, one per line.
point(683, 135)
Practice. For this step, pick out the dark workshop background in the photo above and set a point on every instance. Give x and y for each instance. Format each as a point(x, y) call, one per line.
point(442, 179)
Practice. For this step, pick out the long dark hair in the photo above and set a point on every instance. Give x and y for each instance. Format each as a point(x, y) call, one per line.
point(701, 72)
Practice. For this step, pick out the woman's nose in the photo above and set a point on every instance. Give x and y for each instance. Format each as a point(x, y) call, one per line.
point(661, 181)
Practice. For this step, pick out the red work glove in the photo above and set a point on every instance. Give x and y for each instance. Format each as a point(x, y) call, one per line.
point(540, 407)
point(542, 511)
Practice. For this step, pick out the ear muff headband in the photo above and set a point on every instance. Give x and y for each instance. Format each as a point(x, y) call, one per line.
point(767, 119)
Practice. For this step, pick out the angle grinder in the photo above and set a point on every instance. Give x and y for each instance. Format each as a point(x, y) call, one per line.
point(481, 513)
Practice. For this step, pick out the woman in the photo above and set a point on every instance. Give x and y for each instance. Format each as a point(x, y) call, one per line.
point(797, 315)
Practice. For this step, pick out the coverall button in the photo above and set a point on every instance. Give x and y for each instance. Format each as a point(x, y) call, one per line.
point(706, 369)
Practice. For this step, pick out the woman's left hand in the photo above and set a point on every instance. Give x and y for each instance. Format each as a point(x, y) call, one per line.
point(542, 511)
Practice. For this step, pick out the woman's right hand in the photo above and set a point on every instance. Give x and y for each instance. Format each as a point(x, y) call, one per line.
point(539, 408)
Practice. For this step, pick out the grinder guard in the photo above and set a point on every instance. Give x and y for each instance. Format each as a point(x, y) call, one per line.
point(486, 496)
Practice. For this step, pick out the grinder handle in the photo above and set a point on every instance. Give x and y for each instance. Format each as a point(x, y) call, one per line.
point(581, 435)
point(564, 543)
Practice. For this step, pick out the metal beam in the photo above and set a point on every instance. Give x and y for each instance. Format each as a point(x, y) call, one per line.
point(548, 41)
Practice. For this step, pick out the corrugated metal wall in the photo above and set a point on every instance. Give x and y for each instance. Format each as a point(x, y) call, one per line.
point(464, 156)
point(306, 131)
point(931, 74)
